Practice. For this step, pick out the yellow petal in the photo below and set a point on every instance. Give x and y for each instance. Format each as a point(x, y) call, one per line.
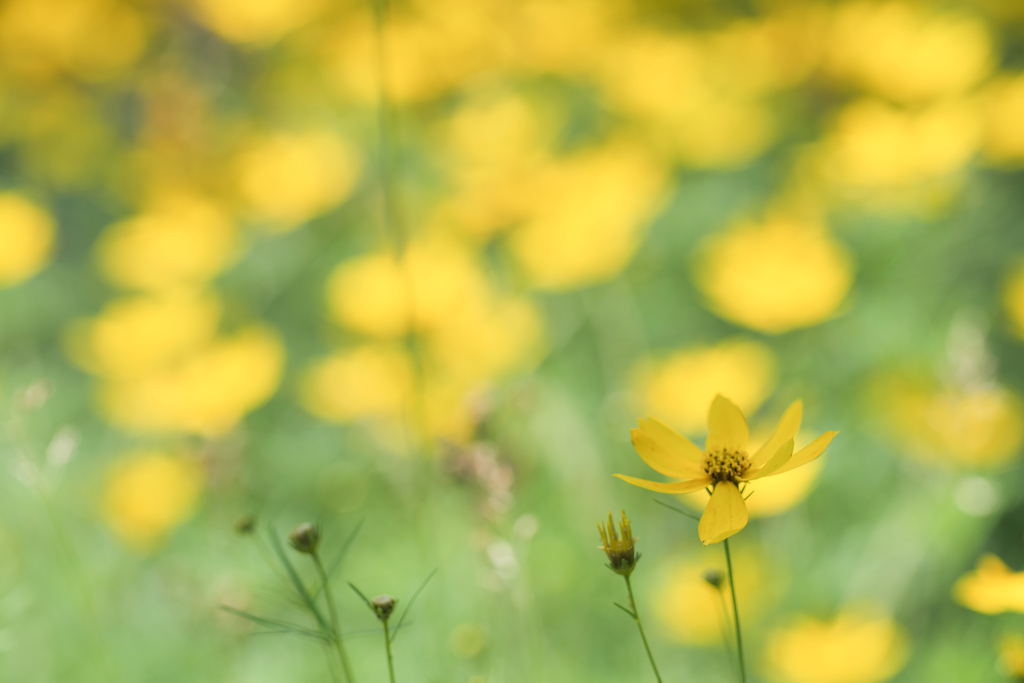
point(780, 458)
point(808, 453)
point(725, 515)
point(666, 451)
point(787, 428)
point(727, 428)
point(668, 487)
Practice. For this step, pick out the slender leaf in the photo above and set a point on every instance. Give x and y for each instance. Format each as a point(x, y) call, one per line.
point(279, 626)
point(681, 511)
point(364, 598)
point(339, 556)
point(411, 601)
point(627, 611)
point(297, 582)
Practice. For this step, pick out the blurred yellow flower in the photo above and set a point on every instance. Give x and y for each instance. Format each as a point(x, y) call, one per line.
point(206, 393)
point(907, 53)
point(1003, 105)
point(1011, 655)
point(90, 39)
point(979, 426)
point(724, 464)
point(137, 335)
point(148, 493)
point(591, 209)
point(876, 146)
point(27, 235)
point(285, 179)
point(680, 386)
point(854, 647)
point(363, 382)
point(774, 276)
point(691, 610)
point(378, 296)
point(182, 241)
point(255, 21)
point(992, 588)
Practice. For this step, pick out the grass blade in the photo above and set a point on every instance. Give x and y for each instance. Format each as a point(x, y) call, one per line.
point(278, 626)
point(681, 511)
point(339, 556)
point(300, 587)
point(411, 601)
point(364, 598)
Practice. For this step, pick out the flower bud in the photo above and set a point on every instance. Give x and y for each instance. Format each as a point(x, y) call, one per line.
point(619, 547)
point(383, 605)
point(245, 525)
point(713, 577)
point(305, 538)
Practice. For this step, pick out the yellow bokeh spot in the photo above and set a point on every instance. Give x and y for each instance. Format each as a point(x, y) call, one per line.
point(286, 179)
point(91, 39)
point(148, 493)
point(182, 241)
point(1003, 105)
point(876, 146)
point(1011, 655)
point(692, 611)
point(678, 388)
point(992, 588)
point(591, 212)
point(905, 53)
point(979, 426)
point(206, 393)
point(376, 295)
point(854, 647)
point(364, 382)
point(255, 21)
point(26, 235)
point(774, 276)
point(137, 335)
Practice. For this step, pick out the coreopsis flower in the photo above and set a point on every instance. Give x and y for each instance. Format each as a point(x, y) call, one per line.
point(725, 464)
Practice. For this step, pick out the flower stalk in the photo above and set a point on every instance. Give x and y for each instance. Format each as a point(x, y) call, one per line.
point(736, 614)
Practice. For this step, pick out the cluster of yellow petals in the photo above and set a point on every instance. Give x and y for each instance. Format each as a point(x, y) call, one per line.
point(724, 464)
point(854, 647)
point(992, 588)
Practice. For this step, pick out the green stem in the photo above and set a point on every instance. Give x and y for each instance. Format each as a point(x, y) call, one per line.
point(387, 648)
point(640, 626)
point(334, 618)
point(736, 614)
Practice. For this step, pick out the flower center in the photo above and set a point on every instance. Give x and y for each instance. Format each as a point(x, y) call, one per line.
point(726, 465)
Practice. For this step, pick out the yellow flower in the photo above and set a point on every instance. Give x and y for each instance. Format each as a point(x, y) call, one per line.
point(724, 464)
point(367, 381)
point(772, 495)
point(149, 493)
point(1003, 105)
point(288, 178)
point(182, 241)
point(680, 386)
point(1011, 655)
point(852, 648)
point(992, 588)
point(1013, 299)
point(255, 21)
point(774, 276)
point(27, 234)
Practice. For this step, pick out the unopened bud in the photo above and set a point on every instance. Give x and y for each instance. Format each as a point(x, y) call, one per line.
point(245, 525)
point(619, 547)
point(713, 577)
point(305, 538)
point(383, 605)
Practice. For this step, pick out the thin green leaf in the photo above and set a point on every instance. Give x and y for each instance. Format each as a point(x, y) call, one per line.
point(364, 598)
point(339, 556)
point(297, 582)
point(681, 511)
point(630, 612)
point(411, 601)
point(280, 626)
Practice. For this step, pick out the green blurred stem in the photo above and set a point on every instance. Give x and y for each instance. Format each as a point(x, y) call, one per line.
point(640, 626)
point(387, 648)
point(735, 614)
point(334, 618)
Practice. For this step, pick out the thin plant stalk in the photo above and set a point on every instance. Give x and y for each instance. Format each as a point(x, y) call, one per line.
point(387, 648)
point(640, 627)
point(726, 629)
point(346, 668)
point(736, 614)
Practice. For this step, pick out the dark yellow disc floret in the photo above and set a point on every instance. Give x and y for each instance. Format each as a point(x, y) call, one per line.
point(726, 465)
